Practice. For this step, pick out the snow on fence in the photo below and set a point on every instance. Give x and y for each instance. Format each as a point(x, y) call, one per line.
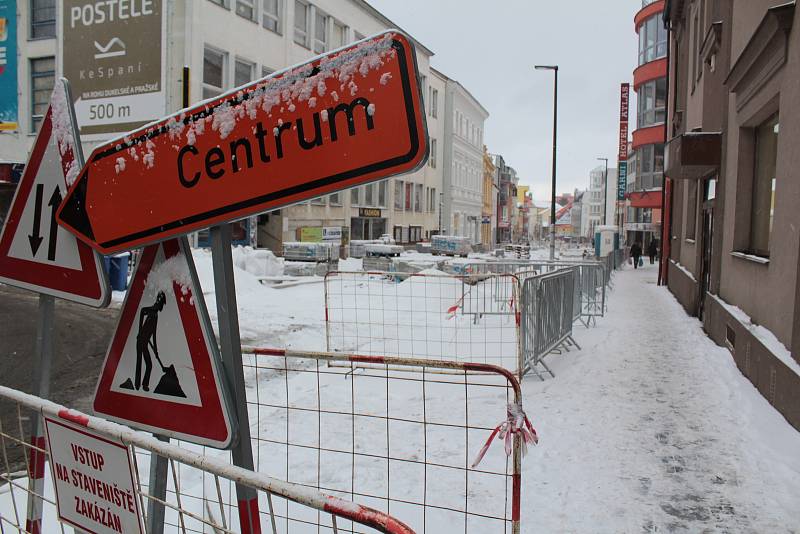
point(429, 315)
point(200, 492)
point(548, 302)
point(414, 438)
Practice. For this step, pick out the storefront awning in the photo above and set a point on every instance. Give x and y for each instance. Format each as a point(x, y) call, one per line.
point(693, 155)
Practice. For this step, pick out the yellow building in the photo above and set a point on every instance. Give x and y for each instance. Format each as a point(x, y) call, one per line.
point(487, 209)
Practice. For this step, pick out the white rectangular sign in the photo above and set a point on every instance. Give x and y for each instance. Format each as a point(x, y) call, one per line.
point(93, 479)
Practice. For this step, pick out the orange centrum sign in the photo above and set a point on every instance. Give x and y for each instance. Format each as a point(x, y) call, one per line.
point(347, 118)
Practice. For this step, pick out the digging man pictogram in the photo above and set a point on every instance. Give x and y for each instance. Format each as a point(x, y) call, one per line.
point(147, 339)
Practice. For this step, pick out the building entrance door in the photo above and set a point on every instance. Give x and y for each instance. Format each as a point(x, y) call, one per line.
point(709, 195)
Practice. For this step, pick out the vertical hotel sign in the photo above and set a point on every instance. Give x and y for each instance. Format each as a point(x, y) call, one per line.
point(622, 156)
point(113, 55)
point(8, 65)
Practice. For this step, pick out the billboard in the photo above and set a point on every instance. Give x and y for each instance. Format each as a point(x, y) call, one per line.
point(113, 55)
point(622, 156)
point(8, 65)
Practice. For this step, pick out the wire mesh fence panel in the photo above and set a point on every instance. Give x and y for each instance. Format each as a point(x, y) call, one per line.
point(467, 318)
point(400, 435)
point(199, 497)
point(547, 318)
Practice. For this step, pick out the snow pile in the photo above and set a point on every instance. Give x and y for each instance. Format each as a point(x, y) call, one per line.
point(268, 317)
point(351, 264)
point(258, 262)
point(173, 271)
point(63, 132)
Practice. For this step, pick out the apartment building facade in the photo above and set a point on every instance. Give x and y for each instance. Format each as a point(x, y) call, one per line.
point(506, 199)
point(463, 155)
point(489, 201)
point(226, 43)
point(644, 197)
point(733, 183)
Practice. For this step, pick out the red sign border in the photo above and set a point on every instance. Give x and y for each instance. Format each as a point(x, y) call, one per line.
point(214, 416)
point(41, 277)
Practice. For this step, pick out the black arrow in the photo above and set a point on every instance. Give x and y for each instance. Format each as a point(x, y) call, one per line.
point(55, 202)
point(35, 239)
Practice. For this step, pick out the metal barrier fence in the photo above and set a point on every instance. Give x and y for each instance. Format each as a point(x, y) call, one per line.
point(200, 495)
point(434, 316)
point(548, 316)
point(590, 281)
point(405, 436)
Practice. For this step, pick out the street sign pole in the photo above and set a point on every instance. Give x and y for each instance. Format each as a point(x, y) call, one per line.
point(231, 349)
point(41, 388)
point(158, 490)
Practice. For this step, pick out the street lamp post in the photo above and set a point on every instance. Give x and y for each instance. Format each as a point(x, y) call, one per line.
point(605, 190)
point(553, 68)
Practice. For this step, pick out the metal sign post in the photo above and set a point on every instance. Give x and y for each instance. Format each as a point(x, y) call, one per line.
point(41, 387)
point(231, 349)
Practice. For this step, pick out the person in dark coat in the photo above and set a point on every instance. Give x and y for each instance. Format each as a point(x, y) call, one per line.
point(636, 252)
point(652, 250)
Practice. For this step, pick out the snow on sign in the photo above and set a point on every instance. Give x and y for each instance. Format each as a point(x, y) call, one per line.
point(93, 480)
point(347, 118)
point(35, 253)
point(163, 372)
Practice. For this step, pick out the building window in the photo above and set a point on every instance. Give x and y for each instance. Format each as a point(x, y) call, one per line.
point(369, 195)
point(418, 198)
point(271, 15)
point(266, 71)
point(432, 157)
point(320, 31)
point(319, 201)
point(214, 66)
point(243, 72)
point(43, 78)
point(652, 40)
point(339, 35)
point(358, 36)
point(43, 19)
point(409, 195)
point(246, 9)
point(764, 177)
point(650, 167)
point(382, 194)
point(221, 3)
point(691, 210)
point(301, 21)
point(652, 102)
point(335, 199)
point(432, 207)
point(354, 193)
point(435, 103)
point(398, 195)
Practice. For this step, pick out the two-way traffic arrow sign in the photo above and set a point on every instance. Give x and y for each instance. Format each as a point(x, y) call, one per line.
point(347, 118)
point(35, 253)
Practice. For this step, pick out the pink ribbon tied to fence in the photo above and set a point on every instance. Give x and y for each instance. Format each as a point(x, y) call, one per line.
point(516, 423)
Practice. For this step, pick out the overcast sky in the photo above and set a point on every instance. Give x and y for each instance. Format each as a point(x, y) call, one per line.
point(491, 48)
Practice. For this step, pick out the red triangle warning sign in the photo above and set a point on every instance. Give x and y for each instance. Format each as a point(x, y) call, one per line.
point(36, 253)
point(162, 372)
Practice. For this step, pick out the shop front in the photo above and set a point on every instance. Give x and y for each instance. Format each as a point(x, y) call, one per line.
point(370, 224)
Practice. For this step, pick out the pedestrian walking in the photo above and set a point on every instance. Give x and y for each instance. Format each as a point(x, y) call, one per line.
point(636, 252)
point(652, 250)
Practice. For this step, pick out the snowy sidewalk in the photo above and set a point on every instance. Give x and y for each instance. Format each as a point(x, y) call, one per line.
point(652, 428)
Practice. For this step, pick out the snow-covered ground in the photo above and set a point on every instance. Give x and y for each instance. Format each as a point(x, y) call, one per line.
point(649, 428)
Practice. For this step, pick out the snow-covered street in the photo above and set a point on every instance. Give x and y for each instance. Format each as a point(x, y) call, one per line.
point(651, 428)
